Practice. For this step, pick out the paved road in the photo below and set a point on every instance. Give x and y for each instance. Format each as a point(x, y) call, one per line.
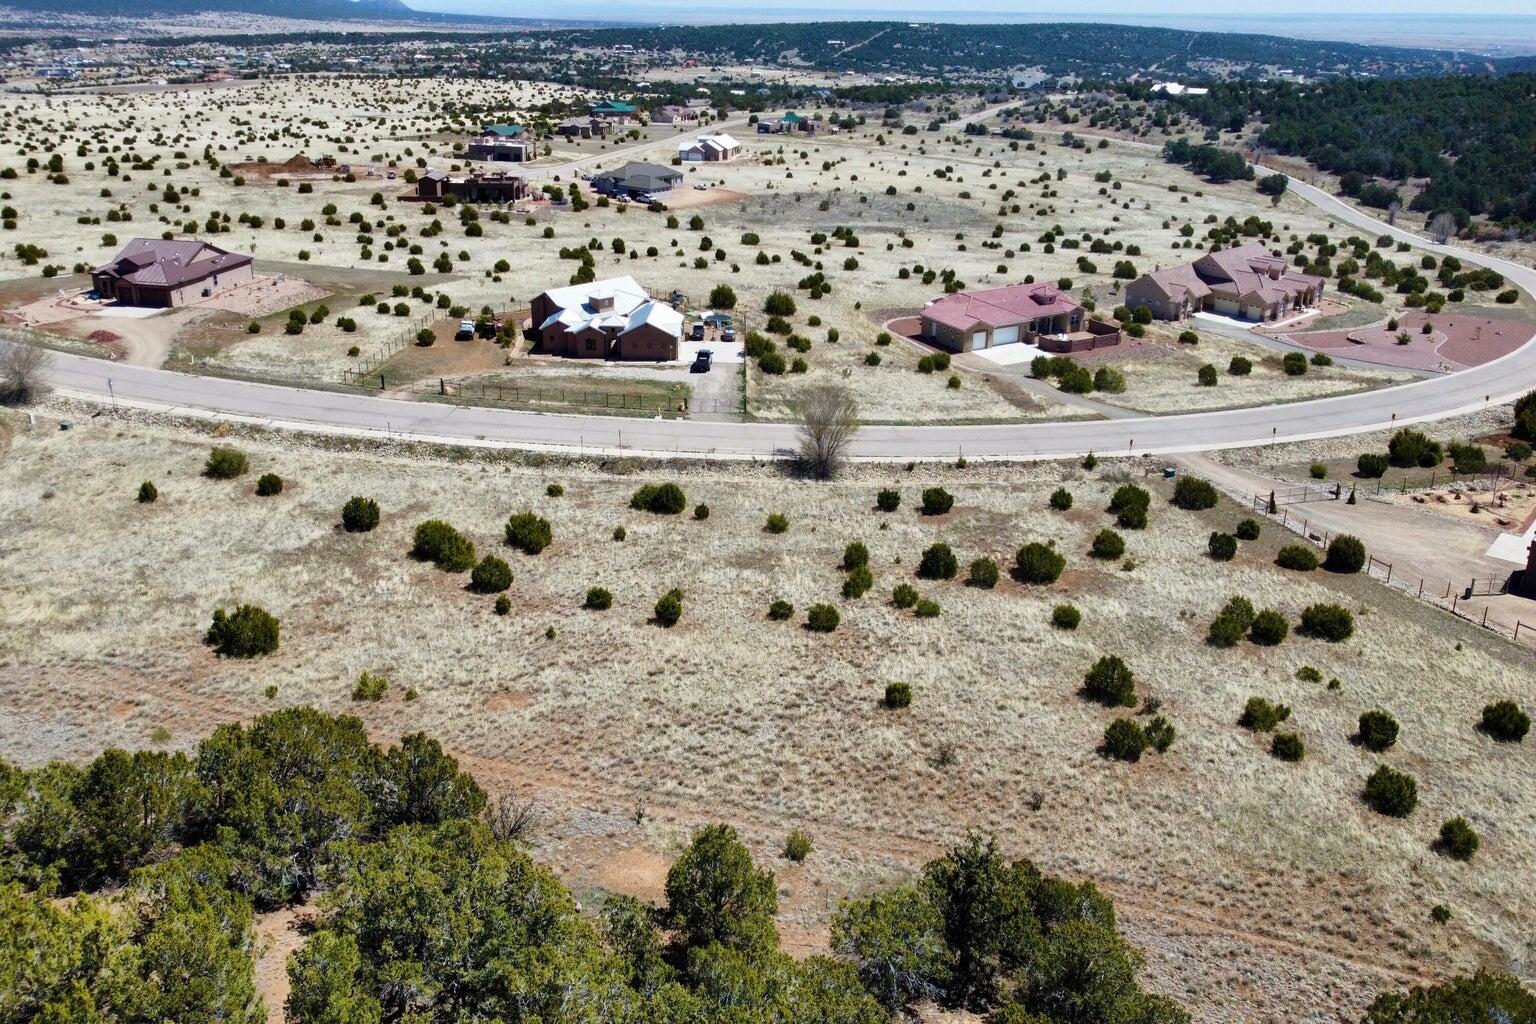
point(330, 412)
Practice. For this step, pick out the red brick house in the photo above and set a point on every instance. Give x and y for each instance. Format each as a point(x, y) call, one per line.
point(610, 319)
point(1039, 314)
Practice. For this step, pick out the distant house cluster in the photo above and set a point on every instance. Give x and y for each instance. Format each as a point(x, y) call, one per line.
point(1247, 281)
point(163, 272)
point(610, 319)
point(716, 147)
point(1037, 314)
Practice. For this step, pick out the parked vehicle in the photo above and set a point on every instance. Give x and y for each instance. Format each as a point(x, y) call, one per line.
point(698, 331)
point(729, 335)
point(701, 361)
point(466, 331)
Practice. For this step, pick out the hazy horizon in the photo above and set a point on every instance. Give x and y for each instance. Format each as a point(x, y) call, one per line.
point(1495, 26)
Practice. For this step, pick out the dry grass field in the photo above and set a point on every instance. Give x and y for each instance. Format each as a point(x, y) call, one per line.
point(927, 202)
point(1260, 890)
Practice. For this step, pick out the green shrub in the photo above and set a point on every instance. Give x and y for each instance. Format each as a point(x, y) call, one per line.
point(1125, 740)
point(1468, 458)
point(503, 605)
point(984, 574)
point(1269, 628)
point(1240, 366)
point(225, 464)
point(554, 490)
point(1504, 721)
point(1066, 616)
point(599, 599)
point(926, 609)
point(1205, 377)
point(359, 515)
point(822, 618)
point(1108, 380)
point(1039, 563)
point(1346, 554)
point(248, 632)
point(938, 563)
point(700, 512)
point(1061, 499)
point(1248, 529)
point(855, 555)
point(797, 846)
point(1410, 448)
point(1222, 546)
point(148, 493)
point(898, 695)
point(1160, 734)
point(1391, 792)
point(1457, 839)
point(662, 499)
point(1378, 731)
point(1262, 716)
point(1318, 471)
point(888, 500)
point(1107, 544)
point(1329, 622)
point(1231, 622)
point(670, 608)
point(369, 687)
point(529, 533)
point(437, 542)
point(1372, 465)
point(1111, 683)
point(777, 522)
point(1294, 364)
point(858, 581)
point(779, 611)
point(1308, 674)
point(937, 501)
point(1129, 506)
point(1297, 557)
point(490, 576)
point(268, 485)
point(1192, 493)
point(904, 595)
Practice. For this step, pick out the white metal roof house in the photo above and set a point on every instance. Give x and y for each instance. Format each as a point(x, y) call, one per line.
point(718, 147)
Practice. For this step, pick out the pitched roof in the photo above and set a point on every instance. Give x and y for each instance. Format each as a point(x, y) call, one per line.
point(999, 307)
point(642, 175)
point(170, 263)
point(1246, 271)
point(613, 107)
point(577, 308)
point(503, 130)
point(719, 141)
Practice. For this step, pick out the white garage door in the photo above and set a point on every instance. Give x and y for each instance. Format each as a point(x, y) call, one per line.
point(979, 340)
point(1005, 335)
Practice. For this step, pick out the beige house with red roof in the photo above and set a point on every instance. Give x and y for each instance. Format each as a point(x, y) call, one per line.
point(1247, 281)
point(1039, 314)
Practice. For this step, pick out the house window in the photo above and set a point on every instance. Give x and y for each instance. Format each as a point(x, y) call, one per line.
point(591, 345)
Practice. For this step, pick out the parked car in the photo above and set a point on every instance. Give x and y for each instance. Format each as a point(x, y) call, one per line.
point(702, 188)
point(729, 335)
point(487, 328)
point(698, 331)
point(701, 361)
point(466, 331)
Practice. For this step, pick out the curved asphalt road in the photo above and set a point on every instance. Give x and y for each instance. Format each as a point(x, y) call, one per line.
point(361, 415)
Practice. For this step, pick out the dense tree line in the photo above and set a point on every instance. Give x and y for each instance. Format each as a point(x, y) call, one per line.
point(128, 889)
point(129, 885)
point(1474, 138)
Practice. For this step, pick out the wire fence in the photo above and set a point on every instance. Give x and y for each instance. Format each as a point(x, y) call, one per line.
point(366, 374)
point(1448, 595)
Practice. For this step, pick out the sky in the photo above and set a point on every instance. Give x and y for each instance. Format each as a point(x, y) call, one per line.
point(755, 10)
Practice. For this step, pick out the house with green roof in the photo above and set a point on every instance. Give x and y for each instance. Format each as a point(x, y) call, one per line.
point(503, 131)
point(614, 110)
